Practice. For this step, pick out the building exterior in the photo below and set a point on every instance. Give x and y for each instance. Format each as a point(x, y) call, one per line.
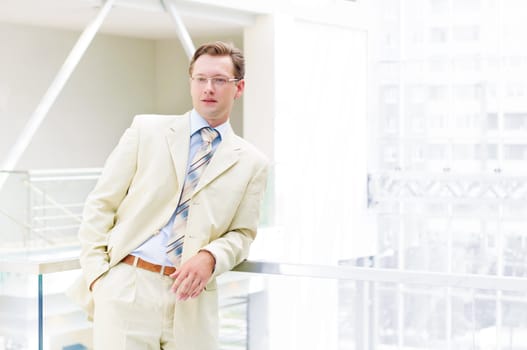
point(448, 92)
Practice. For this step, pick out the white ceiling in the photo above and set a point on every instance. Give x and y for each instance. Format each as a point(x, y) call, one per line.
point(137, 18)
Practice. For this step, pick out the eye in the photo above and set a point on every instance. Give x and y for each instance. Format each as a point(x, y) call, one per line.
point(201, 80)
point(219, 81)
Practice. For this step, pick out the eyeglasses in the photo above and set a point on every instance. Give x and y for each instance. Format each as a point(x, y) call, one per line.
point(216, 81)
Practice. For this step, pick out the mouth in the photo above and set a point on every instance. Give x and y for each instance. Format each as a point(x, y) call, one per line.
point(208, 100)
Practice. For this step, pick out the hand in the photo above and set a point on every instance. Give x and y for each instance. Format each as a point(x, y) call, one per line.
point(192, 277)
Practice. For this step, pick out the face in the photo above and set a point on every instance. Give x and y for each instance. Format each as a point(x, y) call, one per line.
point(214, 102)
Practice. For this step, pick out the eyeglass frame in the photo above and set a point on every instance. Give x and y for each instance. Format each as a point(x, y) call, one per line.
point(201, 80)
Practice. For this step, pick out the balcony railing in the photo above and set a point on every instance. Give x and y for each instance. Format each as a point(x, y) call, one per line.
point(271, 305)
point(361, 303)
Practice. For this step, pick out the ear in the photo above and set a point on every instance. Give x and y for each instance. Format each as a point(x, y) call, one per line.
point(240, 86)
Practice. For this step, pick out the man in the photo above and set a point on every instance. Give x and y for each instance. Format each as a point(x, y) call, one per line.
point(176, 205)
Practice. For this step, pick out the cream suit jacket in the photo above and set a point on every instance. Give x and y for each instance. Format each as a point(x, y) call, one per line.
point(137, 193)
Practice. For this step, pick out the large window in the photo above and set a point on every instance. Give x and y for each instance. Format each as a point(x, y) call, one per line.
point(450, 175)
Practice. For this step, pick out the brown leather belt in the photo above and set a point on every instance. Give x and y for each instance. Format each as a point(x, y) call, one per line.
point(142, 264)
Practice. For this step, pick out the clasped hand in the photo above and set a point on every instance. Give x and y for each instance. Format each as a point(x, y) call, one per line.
point(191, 278)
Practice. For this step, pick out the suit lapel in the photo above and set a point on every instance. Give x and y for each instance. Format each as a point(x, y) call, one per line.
point(178, 139)
point(226, 155)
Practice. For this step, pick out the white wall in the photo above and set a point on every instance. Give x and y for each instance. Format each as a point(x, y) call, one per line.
point(260, 103)
point(114, 81)
point(117, 78)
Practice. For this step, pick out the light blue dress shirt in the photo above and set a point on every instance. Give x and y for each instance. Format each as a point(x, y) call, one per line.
point(153, 250)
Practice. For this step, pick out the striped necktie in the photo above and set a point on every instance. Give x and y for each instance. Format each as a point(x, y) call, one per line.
point(199, 162)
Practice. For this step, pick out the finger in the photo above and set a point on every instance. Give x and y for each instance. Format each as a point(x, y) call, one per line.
point(179, 279)
point(175, 284)
point(174, 287)
point(184, 288)
point(198, 291)
point(195, 287)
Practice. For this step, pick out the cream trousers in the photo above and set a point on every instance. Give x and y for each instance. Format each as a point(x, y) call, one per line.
point(134, 310)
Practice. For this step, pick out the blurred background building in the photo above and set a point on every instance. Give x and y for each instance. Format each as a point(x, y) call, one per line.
point(396, 213)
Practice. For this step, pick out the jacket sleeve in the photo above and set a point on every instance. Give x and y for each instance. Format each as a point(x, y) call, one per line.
point(233, 247)
point(100, 208)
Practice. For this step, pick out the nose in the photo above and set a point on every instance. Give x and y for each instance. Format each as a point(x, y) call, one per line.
point(208, 87)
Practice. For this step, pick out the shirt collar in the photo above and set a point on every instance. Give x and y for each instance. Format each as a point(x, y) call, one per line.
point(197, 122)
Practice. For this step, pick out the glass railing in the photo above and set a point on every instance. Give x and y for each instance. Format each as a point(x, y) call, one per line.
point(399, 299)
point(40, 210)
point(266, 305)
point(40, 213)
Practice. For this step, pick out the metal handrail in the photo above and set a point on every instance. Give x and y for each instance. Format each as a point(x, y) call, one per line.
point(372, 274)
point(425, 278)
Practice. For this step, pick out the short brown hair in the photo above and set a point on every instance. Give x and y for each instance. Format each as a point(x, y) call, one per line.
point(220, 48)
